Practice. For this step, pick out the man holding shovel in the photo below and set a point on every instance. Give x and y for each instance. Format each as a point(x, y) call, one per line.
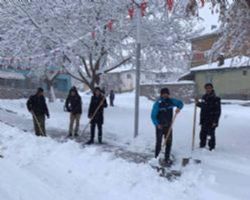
point(38, 108)
point(209, 116)
point(95, 114)
point(162, 118)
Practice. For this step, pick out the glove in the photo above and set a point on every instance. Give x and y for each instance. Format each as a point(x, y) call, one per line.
point(159, 127)
point(214, 125)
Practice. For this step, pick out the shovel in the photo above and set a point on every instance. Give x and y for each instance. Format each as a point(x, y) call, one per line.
point(186, 161)
point(38, 124)
point(94, 114)
point(164, 143)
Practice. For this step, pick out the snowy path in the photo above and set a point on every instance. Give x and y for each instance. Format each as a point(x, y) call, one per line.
point(68, 171)
point(11, 119)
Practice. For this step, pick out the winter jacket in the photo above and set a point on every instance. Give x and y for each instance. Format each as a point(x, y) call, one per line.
point(94, 104)
point(210, 109)
point(73, 104)
point(112, 95)
point(162, 112)
point(37, 104)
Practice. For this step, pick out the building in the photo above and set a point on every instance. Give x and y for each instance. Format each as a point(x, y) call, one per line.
point(200, 47)
point(230, 74)
point(17, 83)
point(231, 80)
point(124, 80)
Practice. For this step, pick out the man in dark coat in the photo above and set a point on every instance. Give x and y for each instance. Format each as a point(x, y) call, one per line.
point(209, 116)
point(161, 115)
point(73, 105)
point(38, 108)
point(95, 113)
point(111, 98)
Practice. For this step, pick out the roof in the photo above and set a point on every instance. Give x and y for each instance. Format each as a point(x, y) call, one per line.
point(171, 83)
point(205, 36)
point(230, 63)
point(11, 75)
point(123, 68)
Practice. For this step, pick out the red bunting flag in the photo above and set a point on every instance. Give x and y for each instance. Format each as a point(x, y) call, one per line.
point(170, 4)
point(143, 7)
point(110, 25)
point(202, 3)
point(131, 12)
point(93, 34)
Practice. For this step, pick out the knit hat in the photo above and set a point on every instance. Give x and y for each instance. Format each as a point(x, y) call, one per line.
point(208, 85)
point(165, 91)
point(39, 90)
point(73, 88)
point(98, 88)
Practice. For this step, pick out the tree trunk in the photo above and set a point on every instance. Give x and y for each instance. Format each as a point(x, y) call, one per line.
point(52, 96)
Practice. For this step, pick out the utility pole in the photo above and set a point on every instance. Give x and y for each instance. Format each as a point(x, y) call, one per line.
point(138, 73)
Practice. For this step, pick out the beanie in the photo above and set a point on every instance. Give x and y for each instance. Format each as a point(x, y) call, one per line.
point(165, 91)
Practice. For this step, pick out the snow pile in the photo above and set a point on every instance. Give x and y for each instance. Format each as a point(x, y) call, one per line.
point(41, 168)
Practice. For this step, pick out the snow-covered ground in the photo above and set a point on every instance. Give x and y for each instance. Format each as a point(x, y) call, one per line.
point(41, 168)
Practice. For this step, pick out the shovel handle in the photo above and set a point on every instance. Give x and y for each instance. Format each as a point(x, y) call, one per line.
point(194, 126)
point(38, 123)
point(94, 114)
point(169, 130)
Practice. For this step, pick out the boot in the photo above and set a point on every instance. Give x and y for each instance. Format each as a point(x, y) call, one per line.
point(100, 140)
point(76, 135)
point(166, 162)
point(90, 142)
point(69, 135)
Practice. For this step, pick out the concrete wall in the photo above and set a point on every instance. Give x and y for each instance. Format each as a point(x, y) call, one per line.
point(184, 92)
point(232, 83)
point(17, 93)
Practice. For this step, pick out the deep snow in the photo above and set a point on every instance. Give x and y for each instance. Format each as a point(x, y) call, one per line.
point(41, 168)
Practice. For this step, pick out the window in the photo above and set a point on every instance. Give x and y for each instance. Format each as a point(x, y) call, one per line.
point(129, 76)
point(244, 72)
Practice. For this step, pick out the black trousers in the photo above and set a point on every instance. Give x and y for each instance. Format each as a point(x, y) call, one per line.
point(111, 101)
point(160, 133)
point(39, 125)
point(92, 131)
point(207, 131)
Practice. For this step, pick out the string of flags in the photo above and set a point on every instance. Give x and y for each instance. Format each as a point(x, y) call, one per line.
point(109, 25)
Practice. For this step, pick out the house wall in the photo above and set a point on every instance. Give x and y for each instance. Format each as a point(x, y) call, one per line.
point(185, 92)
point(63, 83)
point(202, 44)
point(231, 83)
point(119, 82)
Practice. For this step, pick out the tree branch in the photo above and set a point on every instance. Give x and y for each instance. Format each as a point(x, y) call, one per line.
point(85, 66)
point(116, 66)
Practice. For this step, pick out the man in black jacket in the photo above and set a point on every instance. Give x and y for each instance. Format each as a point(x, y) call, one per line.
point(111, 98)
point(209, 116)
point(73, 105)
point(96, 109)
point(38, 108)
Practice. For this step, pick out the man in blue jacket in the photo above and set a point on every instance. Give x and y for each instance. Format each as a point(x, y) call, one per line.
point(162, 114)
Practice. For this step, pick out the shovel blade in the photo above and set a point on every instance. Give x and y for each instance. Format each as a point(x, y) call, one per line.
point(186, 161)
